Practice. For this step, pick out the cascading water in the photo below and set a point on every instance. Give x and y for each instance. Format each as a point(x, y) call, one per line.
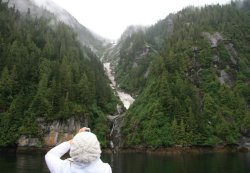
point(116, 120)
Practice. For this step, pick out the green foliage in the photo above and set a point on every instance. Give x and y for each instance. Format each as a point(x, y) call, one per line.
point(46, 72)
point(135, 57)
point(9, 129)
point(182, 101)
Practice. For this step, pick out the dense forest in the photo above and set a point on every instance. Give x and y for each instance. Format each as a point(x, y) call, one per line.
point(46, 73)
point(191, 72)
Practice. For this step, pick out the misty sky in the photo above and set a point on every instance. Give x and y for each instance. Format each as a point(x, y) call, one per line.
point(109, 18)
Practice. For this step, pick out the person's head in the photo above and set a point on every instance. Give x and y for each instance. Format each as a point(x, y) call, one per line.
point(85, 147)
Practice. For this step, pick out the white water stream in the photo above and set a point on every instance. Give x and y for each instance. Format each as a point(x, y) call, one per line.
point(126, 99)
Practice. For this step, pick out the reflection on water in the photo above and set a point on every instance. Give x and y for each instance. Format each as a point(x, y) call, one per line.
point(10, 162)
point(30, 163)
point(179, 163)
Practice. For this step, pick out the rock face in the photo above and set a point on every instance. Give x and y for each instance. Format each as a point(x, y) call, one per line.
point(225, 78)
point(31, 142)
point(232, 53)
point(244, 143)
point(213, 38)
point(116, 123)
point(115, 135)
point(54, 132)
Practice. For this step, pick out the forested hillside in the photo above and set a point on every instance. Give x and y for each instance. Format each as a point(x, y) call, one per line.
point(191, 72)
point(51, 11)
point(46, 73)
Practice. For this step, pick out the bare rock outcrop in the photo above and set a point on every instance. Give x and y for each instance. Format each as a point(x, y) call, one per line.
point(213, 38)
point(226, 79)
point(54, 132)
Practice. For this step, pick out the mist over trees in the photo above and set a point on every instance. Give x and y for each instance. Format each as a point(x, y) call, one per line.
point(46, 73)
point(189, 72)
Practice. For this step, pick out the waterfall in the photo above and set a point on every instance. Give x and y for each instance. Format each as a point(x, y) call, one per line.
point(126, 98)
point(116, 120)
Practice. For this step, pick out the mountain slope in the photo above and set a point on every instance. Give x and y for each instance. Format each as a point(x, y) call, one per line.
point(52, 11)
point(191, 71)
point(45, 73)
point(134, 52)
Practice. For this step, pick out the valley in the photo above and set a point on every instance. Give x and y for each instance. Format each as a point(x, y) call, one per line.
point(186, 77)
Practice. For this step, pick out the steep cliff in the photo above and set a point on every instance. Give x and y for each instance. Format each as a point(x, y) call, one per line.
point(53, 132)
point(191, 74)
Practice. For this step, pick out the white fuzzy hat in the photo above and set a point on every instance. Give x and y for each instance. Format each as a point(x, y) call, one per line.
point(85, 147)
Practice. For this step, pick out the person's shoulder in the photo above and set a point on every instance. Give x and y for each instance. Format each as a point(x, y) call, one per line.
point(65, 166)
point(105, 166)
point(108, 169)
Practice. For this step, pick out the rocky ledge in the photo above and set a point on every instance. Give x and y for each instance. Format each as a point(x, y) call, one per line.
point(54, 132)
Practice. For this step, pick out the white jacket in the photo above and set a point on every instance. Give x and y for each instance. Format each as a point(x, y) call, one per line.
point(57, 165)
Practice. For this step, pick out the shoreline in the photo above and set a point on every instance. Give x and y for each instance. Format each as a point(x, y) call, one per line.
point(188, 149)
point(158, 150)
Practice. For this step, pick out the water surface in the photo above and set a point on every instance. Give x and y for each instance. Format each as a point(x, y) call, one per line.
point(10, 162)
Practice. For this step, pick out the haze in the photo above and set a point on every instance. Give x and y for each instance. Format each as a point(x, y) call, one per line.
point(110, 18)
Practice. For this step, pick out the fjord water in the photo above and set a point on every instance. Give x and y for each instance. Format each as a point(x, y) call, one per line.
point(10, 162)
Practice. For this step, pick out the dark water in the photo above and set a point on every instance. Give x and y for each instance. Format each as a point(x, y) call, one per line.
point(10, 162)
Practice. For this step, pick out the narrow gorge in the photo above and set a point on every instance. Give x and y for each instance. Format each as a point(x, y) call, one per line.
point(116, 121)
